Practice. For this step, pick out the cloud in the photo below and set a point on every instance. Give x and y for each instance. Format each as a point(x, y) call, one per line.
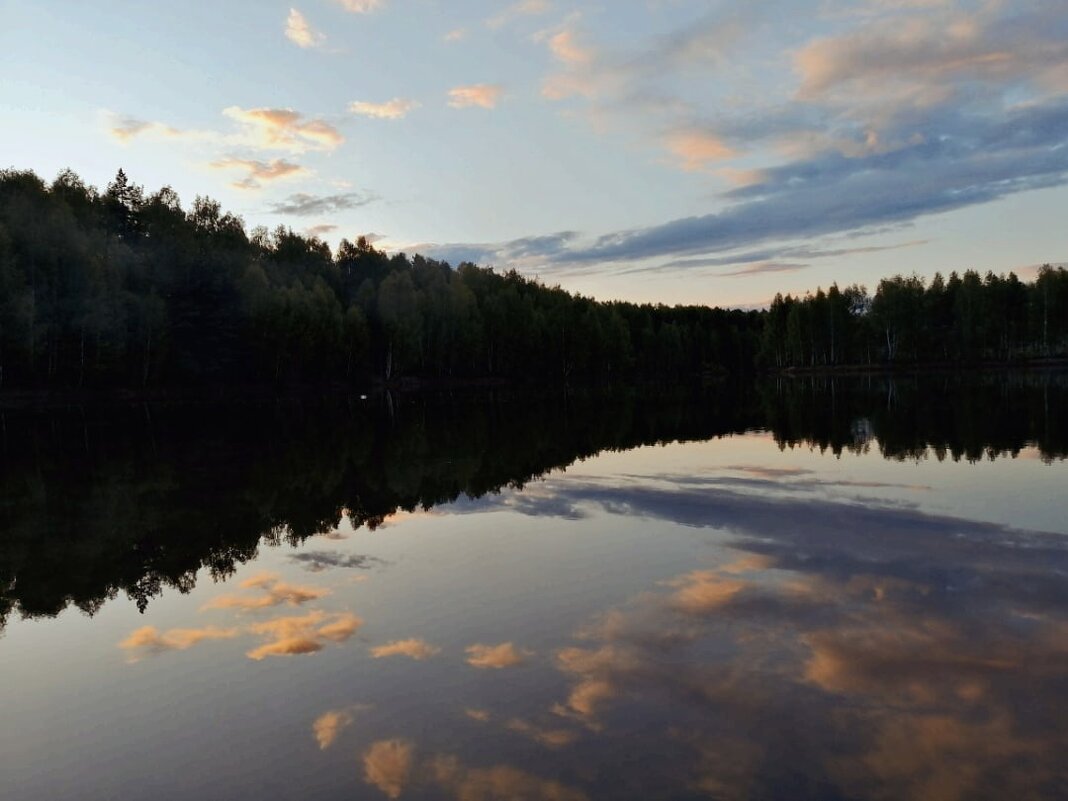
point(124, 128)
point(455, 35)
point(533, 249)
point(318, 561)
point(695, 149)
point(565, 47)
point(341, 627)
point(388, 764)
point(924, 57)
point(482, 95)
point(256, 172)
point(416, 649)
point(522, 8)
point(703, 591)
point(481, 715)
point(594, 669)
point(300, 32)
point(302, 204)
point(394, 109)
point(305, 205)
point(549, 737)
point(284, 129)
point(766, 267)
point(150, 641)
point(497, 782)
point(306, 634)
point(766, 257)
point(329, 725)
point(499, 656)
point(986, 159)
point(275, 593)
point(361, 6)
point(319, 231)
point(908, 110)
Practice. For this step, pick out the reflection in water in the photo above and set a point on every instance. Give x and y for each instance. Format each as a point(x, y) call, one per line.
point(388, 766)
point(275, 593)
point(745, 619)
point(329, 725)
point(412, 648)
point(391, 766)
point(149, 501)
point(148, 640)
point(496, 657)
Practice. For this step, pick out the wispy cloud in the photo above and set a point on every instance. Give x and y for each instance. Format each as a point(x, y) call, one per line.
point(523, 8)
point(455, 35)
point(125, 128)
point(302, 204)
point(320, 231)
point(284, 129)
point(299, 31)
point(695, 150)
point(149, 641)
point(763, 267)
point(482, 95)
point(256, 172)
point(394, 109)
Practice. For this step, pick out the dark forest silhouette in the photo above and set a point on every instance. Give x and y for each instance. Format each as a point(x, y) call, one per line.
point(122, 289)
point(141, 498)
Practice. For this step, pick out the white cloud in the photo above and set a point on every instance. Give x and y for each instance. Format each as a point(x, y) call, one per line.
point(394, 109)
point(300, 32)
point(482, 95)
point(361, 6)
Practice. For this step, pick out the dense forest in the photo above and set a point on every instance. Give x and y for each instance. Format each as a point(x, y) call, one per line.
point(122, 288)
point(153, 494)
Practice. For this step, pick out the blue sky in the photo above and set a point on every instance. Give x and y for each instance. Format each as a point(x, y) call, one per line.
point(650, 150)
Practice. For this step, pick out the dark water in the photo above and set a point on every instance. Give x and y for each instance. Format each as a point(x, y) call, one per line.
point(796, 590)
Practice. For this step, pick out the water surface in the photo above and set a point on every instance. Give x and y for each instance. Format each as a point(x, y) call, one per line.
point(798, 591)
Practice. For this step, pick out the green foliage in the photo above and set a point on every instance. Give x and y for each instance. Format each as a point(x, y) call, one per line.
point(965, 320)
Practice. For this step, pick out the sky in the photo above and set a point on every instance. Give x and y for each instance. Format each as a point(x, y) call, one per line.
point(672, 151)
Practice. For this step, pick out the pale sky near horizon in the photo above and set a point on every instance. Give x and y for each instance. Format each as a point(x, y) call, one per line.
point(652, 150)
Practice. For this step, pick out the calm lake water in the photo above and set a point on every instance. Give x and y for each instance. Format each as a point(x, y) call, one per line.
point(804, 590)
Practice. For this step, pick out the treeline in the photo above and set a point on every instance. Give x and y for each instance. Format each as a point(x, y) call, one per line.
point(121, 288)
point(125, 289)
point(964, 319)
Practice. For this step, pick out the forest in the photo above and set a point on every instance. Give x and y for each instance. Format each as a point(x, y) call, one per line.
point(124, 289)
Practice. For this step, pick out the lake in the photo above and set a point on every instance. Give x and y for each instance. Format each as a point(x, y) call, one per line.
point(799, 589)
